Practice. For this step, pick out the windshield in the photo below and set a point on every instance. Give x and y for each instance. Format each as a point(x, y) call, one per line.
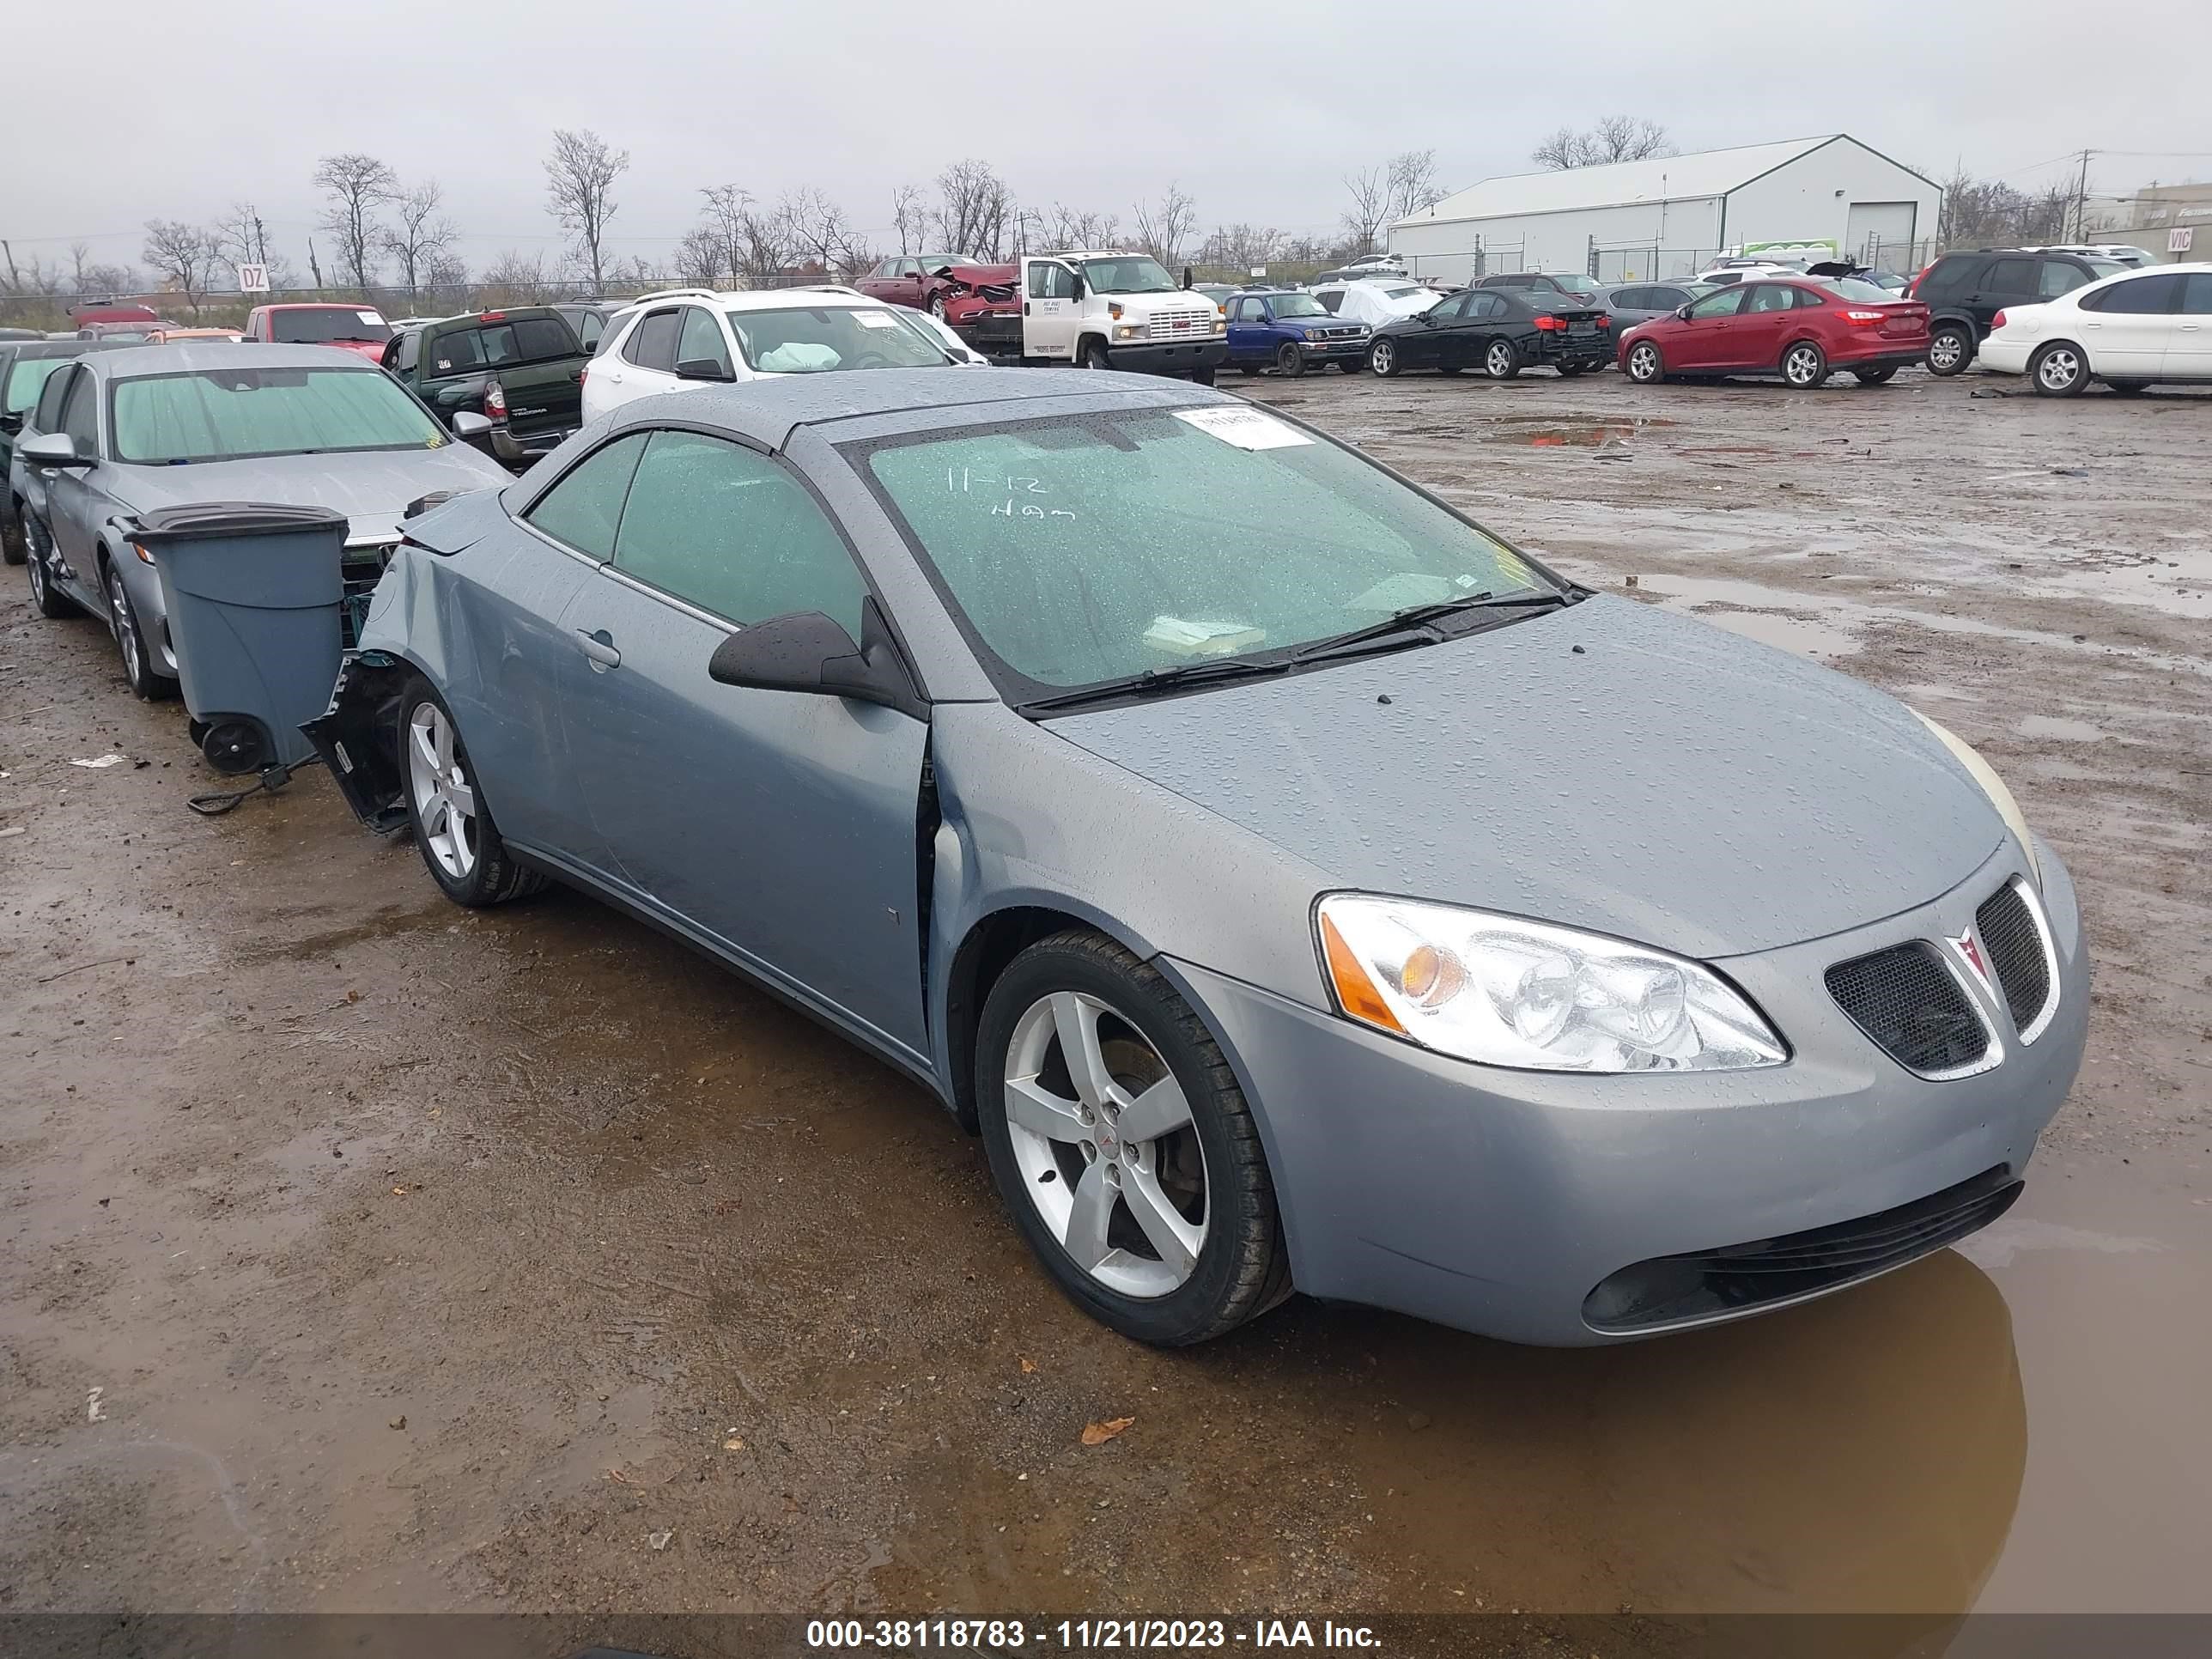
point(1298, 305)
point(814, 339)
point(223, 415)
point(25, 380)
point(1093, 547)
point(1132, 274)
point(324, 324)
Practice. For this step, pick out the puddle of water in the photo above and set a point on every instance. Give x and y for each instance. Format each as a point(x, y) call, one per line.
point(1540, 432)
point(2050, 725)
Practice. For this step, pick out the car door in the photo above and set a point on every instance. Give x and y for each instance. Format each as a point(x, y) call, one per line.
point(642, 365)
point(2008, 280)
point(1048, 309)
point(74, 495)
point(1755, 338)
point(1251, 336)
point(1467, 338)
point(2189, 348)
point(780, 826)
point(698, 340)
point(1422, 345)
point(2128, 327)
point(1702, 339)
point(875, 283)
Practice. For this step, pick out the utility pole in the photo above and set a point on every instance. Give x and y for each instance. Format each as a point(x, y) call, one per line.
point(2081, 196)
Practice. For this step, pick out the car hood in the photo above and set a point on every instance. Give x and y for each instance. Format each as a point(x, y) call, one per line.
point(1611, 767)
point(372, 490)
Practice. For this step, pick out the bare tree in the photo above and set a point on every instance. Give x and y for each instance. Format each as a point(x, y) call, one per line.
point(763, 247)
point(717, 244)
point(1615, 138)
point(420, 235)
point(1066, 227)
point(244, 239)
point(516, 278)
point(1240, 246)
point(579, 178)
point(816, 232)
point(1370, 208)
point(1412, 183)
point(182, 256)
point(909, 217)
point(698, 261)
point(1163, 228)
point(355, 186)
point(974, 210)
point(444, 279)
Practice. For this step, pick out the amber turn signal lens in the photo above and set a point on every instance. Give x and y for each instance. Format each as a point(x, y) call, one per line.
point(1355, 991)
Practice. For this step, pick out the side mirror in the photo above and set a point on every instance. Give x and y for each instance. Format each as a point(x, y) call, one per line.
point(702, 368)
point(467, 423)
point(51, 449)
point(1683, 311)
point(1079, 292)
point(808, 651)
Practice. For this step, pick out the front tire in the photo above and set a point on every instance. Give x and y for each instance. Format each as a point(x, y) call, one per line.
point(1383, 359)
point(1950, 349)
point(146, 680)
point(1291, 360)
point(1202, 377)
point(1349, 365)
point(1646, 366)
point(1094, 355)
point(1503, 360)
point(1805, 367)
point(11, 536)
point(2060, 369)
point(937, 306)
point(452, 828)
point(1121, 1141)
point(48, 600)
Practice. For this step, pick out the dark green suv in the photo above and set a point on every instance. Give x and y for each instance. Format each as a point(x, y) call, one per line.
point(521, 367)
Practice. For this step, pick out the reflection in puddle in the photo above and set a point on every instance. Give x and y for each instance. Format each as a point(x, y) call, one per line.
point(1538, 433)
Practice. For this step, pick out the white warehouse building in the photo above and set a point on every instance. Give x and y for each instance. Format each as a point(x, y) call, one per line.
point(1669, 216)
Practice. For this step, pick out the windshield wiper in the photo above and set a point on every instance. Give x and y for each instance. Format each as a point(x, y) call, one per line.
point(1415, 621)
point(1171, 678)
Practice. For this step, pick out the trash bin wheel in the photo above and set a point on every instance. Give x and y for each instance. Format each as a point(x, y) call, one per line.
point(233, 746)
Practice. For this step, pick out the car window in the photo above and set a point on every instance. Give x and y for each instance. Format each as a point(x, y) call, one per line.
point(543, 339)
point(584, 509)
point(1332, 303)
point(816, 339)
point(1048, 280)
point(26, 378)
point(701, 339)
point(80, 418)
point(2138, 296)
point(1769, 297)
point(730, 532)
point(1726, 303)
point(1089, 547)
point(1487, 305)
point(1445, 310)
point(2010, 277)
point(411, 349)
point(589, 327)
point(2060, 276)
point(48, 416)
point(2196, 293)
point(652, 344)
point(1248, 311)
point(1632, 299)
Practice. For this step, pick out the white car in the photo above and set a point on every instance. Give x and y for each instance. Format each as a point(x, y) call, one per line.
point(1374, 301)
point(677, 339)
point(2127, 331)
point(1737, 271)
point(940, 332)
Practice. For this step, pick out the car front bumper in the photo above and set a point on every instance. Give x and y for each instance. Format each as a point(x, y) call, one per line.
point(1498, 1201)
point(1167, 357)
point(2005, 357)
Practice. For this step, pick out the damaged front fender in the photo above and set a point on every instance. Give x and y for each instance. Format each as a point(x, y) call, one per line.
point(358, 739)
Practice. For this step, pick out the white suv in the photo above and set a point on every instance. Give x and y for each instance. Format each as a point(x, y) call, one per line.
point(680, 338)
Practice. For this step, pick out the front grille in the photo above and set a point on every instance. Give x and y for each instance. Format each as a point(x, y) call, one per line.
point(1911, 1008)
point(1674, 1289)
point(1342, 333)
point(1182, 324)
point(2014, 944)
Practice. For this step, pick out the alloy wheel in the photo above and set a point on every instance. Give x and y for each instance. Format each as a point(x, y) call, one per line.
point(1383, 358)
point(1801, 366)
point(38, 573)
point(1102, 1134)
point(445, 801)
point(1499, 361)
point(1946, 352)
point(125, 625)
point(2058, 369)
point(1643, 361)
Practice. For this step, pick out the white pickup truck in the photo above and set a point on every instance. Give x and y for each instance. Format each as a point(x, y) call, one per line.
point(1109, 310)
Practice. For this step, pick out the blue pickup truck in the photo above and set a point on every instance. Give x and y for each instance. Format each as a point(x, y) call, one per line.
point(1291, 332)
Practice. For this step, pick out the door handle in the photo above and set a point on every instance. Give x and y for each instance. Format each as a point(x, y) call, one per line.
point(600, 648)
point(1025, 308)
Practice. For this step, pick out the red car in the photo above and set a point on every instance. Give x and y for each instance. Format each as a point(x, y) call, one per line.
point(351, 328)
point(930, 282)
point(1802, 328)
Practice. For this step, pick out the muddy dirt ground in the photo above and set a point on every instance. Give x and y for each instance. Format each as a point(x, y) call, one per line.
point(364, 1254)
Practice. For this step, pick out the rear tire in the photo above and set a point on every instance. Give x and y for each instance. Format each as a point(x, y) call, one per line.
point(1950, 349)
point(1805, 367)
point(1881, 376)
point(11, 535)
point(1502, 362)
point(452, 827)
point(1055, 1173)
point(46, 599)
point(1570, 371)
point(2060, 369)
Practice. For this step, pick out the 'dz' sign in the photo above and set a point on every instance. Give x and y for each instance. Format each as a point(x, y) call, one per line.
point(253, 279)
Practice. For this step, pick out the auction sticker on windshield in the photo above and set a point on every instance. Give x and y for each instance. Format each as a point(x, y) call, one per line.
point(875, 320)
point(1247, 428)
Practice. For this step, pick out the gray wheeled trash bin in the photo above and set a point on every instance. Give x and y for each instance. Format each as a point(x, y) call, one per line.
point(254, 593)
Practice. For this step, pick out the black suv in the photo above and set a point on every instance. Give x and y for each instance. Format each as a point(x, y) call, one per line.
point(1964, 292)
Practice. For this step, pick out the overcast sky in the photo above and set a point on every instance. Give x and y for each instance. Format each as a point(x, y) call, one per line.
point(1258, 109)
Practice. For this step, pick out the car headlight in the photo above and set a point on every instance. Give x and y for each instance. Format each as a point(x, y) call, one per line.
point(1221, 325)
point(1504, 992)
point(1992, 786)
point(1131, 330)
